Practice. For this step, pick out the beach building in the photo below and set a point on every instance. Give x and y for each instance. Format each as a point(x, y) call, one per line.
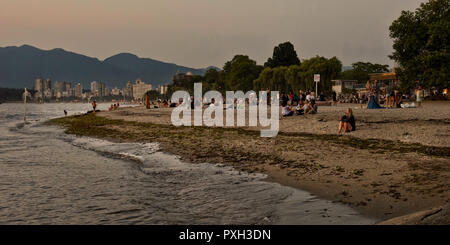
point(140, 88)
point(340, 85)
point(384, 78)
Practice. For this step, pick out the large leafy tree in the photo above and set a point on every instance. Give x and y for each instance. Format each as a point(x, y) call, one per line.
point(264, 80)
point(212, 80)
point(240, 72)
point(283, 55)
point(422, 45)
point(293, 78)
point(361, 71)
point(327, 68)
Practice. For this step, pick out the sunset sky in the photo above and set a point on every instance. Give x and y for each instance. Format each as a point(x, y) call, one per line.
point(199, 33)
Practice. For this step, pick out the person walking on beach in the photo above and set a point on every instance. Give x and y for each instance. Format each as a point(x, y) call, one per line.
point(94, 105)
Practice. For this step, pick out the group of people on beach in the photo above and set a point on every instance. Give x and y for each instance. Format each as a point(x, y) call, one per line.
point(392, 96)
point(114, 107)
point(305, 103)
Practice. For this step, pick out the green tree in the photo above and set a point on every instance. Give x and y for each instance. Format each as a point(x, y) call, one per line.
point(240, 72)
point(264, 80)
point(293, 78)
point(421, 45)
point(212, 80)
point(283, 55)
point(361, 71)
point(279, 82)
point(328, 69)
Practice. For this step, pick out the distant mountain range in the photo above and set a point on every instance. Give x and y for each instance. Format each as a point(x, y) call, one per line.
point(20, 66)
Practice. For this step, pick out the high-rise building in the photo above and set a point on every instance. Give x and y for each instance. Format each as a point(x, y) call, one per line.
point(98, 89)
point(94, 87)
point(115, 92)
point(78, 90)
point(128, 90)
point(39, 87)
point(57, 89)
point(47, 88)
point(163, 89)
point(48, 84)
point(101, 89)
point(140, 88)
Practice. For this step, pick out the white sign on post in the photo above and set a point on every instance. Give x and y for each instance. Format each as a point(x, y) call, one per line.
point(317, 80)
point(316, 77)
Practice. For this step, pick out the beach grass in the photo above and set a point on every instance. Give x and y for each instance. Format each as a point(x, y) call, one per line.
point(95, 126)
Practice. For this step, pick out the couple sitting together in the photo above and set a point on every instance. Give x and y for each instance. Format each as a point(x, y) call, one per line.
point(309, 107)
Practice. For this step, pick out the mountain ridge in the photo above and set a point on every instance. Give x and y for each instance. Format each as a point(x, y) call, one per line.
point(21, 65)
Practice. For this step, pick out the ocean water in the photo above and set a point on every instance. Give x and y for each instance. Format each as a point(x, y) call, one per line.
point(48, 177)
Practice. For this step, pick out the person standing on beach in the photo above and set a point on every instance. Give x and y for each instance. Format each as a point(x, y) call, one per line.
point(94, 105)
point(376, 90)
point(419, 96)
point(388, 96)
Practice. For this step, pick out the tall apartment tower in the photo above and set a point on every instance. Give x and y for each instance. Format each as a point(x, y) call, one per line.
point(39, 87)
point(78, 90)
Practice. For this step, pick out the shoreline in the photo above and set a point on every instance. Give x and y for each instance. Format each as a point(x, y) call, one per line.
point(378, 181)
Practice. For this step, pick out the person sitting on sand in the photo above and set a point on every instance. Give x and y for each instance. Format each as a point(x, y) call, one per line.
point(299, 108)
point(311, 107)
point(310, 96)
point(285, 110)
point(111, 107)
point(347, 122)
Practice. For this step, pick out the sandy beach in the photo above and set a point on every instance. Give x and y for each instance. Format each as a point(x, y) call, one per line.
point(396, 163)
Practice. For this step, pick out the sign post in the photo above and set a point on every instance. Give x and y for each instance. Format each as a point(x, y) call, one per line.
point(25, 95)
point(317, 80)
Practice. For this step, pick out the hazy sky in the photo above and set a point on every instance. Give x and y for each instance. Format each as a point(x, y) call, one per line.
point(199, 33)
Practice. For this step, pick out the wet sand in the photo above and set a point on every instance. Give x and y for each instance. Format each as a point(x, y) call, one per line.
point(395, 164)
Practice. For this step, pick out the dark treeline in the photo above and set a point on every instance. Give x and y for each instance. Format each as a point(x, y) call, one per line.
point(283, 72)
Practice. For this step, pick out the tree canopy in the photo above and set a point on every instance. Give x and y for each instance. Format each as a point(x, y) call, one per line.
point(422, 46)
point(296, 77)
point(361, 71)
point(240, 72)
point(283, 55)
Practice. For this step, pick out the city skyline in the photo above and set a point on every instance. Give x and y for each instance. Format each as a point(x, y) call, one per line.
point(176, 31)
point(46, 89)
